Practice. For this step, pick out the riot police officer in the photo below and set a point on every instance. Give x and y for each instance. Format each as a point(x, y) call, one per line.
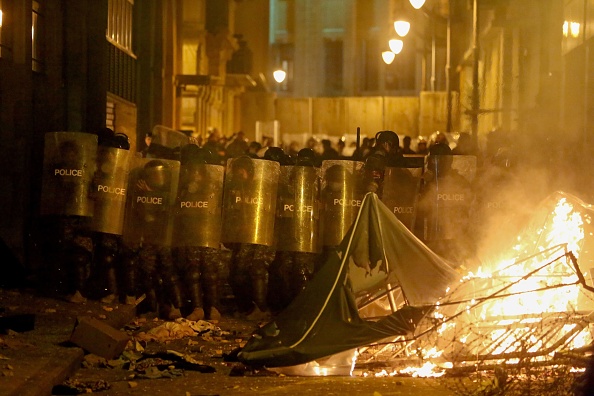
point(445, 205)
point(68, 167)
point(297, 230)
point(388, 145)
point(148, 234)
point(109, 188)
point(197, 232)
point(248, 228)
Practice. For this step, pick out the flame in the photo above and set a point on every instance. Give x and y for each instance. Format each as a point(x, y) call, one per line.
point(526, 305)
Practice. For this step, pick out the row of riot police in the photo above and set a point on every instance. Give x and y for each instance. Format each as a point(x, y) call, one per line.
point(166, 227)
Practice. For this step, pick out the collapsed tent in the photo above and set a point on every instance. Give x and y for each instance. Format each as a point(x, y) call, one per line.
point(378, 253)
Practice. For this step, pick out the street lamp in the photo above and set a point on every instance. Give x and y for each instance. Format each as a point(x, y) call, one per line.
point(417, 3)
point(402, 28)
point(279, 75)
point(396, 45)
point(388, 57)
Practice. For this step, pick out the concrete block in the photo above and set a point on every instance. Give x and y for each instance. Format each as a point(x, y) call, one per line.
point(98, 337)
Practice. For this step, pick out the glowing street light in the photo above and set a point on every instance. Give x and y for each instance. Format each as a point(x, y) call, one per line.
point(417, 3)
point(396, 45)
point(279, 75)
point(388, 57)
point(402, 28)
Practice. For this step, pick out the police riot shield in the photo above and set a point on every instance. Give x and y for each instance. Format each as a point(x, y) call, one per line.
point(298, 209)
point(249, 201)
point(68, 168)
point(341, 198)
point(109, 188)
point(152, 189)
point(401, 193)
point(447, 196)
point(169, 137)
point(199, 206)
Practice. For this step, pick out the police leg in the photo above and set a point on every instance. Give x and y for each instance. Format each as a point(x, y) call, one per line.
point(302, 272)
point(106, 257)
point(276, 284)
point(209, 279)
point(170, 300)
point(190, 261)
point(239, 277)
point(263, 256)
point(146, 276)
point(78, 257)
point(51, 276)
point(129, 268)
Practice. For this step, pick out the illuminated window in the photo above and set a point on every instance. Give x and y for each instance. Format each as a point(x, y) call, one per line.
point(4, 31)
point(119, 23)
point(0, 28)
point(36, 33)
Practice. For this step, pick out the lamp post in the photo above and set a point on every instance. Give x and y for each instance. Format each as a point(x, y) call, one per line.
point(418, 4)
point(475, 73)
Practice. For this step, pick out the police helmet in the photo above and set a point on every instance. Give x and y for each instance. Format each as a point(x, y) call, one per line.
point(275, 154)
point(306, 157)
point(191, 153)
point(387, 137)
point(156, 174)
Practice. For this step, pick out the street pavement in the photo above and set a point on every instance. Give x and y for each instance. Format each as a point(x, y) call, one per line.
point(43, 361)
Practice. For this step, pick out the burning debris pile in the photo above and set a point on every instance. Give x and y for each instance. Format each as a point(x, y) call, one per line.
point(521, 323)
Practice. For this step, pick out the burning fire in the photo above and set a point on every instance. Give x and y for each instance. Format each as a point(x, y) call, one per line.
point(528, 306)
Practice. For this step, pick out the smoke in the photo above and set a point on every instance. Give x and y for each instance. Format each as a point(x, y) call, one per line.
point(505, 203)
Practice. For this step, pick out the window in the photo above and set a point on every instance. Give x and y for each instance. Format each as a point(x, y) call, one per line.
point(119, 23)
point(36, 34)
point(0, 28)
point(333, 66)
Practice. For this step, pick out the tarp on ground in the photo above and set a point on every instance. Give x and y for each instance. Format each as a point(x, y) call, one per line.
point(324, 320)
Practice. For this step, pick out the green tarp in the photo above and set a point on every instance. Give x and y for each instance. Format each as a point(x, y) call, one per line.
point(324, 319)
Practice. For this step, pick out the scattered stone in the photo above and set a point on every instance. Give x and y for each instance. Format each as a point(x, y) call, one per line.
point(99, 338)
point(92, 360)
point(76, 298)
